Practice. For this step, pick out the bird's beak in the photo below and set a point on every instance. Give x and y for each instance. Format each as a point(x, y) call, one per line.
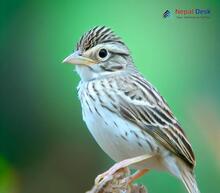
point(76, 58)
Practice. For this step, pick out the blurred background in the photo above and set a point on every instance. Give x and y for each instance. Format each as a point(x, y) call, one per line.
point(45, 146)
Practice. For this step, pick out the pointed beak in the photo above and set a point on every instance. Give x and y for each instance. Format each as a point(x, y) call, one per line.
point(76, 58)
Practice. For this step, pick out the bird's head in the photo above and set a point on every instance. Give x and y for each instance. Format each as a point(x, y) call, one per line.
point(99, 52)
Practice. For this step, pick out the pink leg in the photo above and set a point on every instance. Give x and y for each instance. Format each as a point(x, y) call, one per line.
point(120, 165)
point(137, 175)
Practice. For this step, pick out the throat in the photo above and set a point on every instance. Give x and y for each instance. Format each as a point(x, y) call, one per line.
point(86, 73)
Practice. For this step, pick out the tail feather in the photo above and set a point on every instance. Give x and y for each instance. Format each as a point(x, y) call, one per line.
point(179, 169)
point(189, 181)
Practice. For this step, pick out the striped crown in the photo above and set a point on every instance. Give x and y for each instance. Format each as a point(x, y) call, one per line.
point(97, 35)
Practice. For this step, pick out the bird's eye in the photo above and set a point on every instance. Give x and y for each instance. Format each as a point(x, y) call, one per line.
point(103, 53)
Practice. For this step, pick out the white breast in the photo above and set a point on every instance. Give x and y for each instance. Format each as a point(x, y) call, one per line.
point(119, 138)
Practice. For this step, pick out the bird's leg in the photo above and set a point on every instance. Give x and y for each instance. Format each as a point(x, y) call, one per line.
point(121, 165)
point(137, 175)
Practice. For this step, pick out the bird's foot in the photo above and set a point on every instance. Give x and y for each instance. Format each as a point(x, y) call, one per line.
point(108, 175)
point(120, 165)
point(137, 175)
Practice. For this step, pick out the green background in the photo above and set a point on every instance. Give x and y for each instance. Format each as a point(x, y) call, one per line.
point(44, 144)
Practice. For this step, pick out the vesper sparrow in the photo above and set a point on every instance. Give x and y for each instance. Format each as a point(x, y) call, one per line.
point(126, 115)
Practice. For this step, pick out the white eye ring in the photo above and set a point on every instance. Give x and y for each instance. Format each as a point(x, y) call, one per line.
point(103, 54)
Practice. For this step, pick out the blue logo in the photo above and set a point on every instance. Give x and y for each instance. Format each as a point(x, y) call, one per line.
point(166, 14)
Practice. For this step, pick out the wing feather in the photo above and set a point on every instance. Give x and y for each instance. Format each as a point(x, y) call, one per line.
point(143, 106)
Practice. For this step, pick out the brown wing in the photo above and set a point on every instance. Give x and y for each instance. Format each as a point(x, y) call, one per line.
point(141, 104)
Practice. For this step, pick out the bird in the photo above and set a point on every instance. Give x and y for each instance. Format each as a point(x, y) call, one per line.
point(125, 113)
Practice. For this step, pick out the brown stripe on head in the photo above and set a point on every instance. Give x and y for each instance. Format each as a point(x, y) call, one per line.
point(95, 36)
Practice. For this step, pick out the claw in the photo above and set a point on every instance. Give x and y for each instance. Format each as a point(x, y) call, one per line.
point(108, 175)
point(102, 178)
point(99, 178)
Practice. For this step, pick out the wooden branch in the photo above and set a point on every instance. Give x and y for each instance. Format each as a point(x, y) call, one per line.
point(117, 183)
